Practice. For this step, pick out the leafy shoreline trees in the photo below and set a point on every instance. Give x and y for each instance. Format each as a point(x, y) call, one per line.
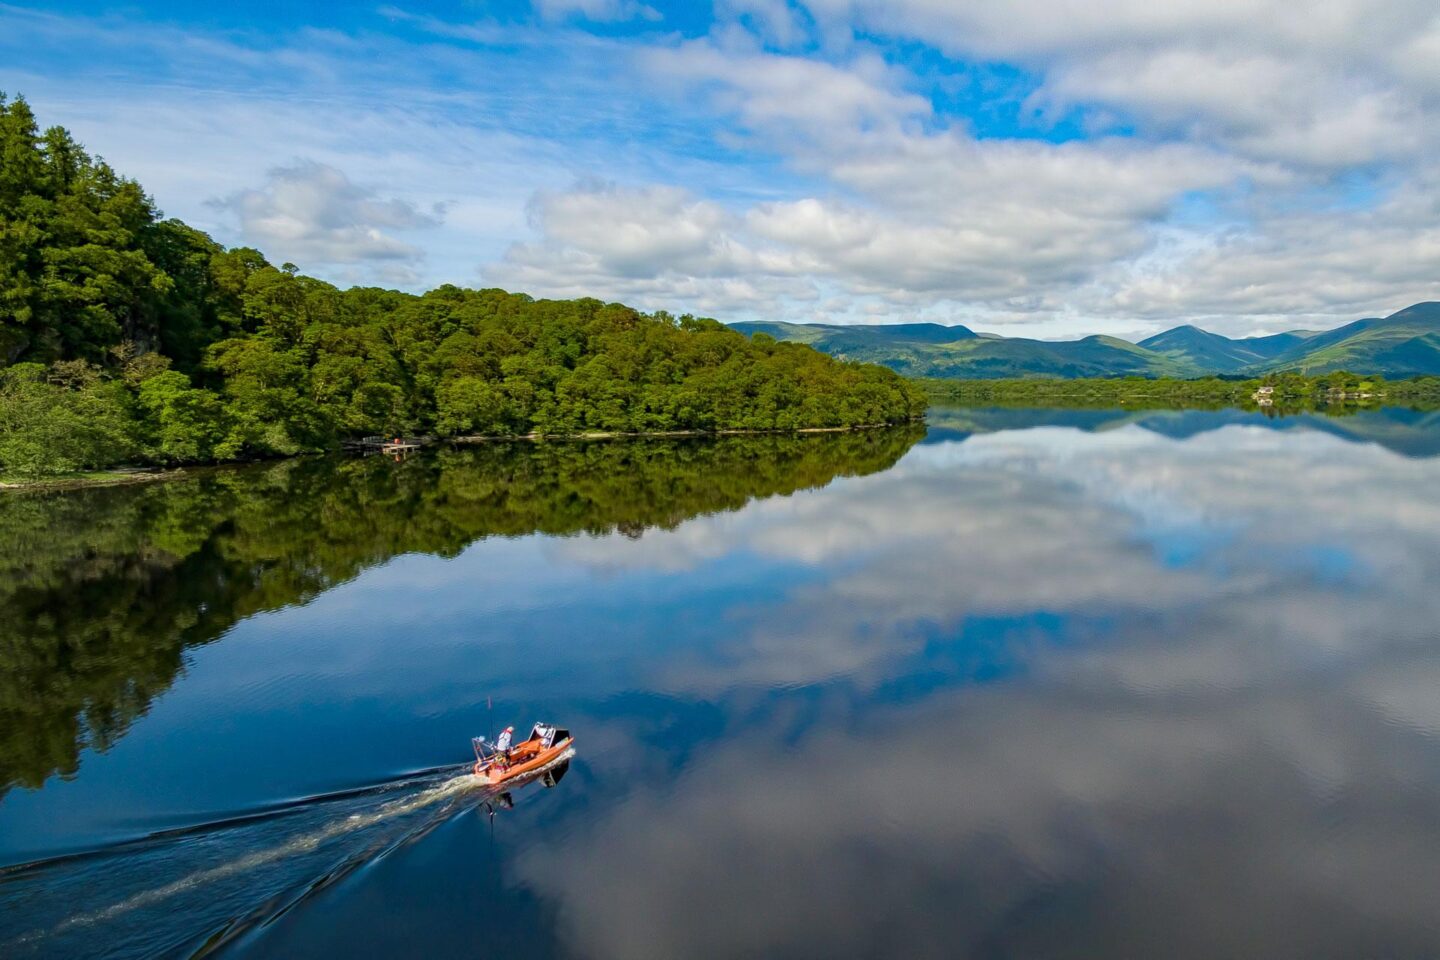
point(125, 338)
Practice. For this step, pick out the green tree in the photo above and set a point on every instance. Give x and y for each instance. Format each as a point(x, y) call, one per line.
point(49, 428)
point(183, 424)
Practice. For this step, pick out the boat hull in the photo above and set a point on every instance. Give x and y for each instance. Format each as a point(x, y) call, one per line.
point(524, 759)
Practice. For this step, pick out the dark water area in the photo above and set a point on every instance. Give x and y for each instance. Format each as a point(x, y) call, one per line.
point(1029, 684)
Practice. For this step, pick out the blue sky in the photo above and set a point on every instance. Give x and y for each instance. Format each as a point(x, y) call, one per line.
point(1037, 167)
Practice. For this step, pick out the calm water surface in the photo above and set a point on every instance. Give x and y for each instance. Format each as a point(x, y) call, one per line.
point(1034, 683)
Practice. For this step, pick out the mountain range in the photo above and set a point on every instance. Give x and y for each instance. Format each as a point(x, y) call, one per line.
point(1403, 344)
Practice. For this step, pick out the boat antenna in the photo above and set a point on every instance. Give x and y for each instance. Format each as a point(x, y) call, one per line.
point(489, 716)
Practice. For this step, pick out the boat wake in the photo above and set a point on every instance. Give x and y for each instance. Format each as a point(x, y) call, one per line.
point(195, 889)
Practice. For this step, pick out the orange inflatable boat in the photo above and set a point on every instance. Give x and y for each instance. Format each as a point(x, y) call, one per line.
point(544, 746)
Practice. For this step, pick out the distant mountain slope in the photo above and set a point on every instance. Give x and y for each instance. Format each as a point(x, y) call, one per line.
point(1403, 344)
point(1212, 352)
point(859, 337)
point(932, 350)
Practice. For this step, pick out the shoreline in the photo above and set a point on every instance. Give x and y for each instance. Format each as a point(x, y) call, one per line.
point(662, 434)
point(122, 476)
point(119, 477)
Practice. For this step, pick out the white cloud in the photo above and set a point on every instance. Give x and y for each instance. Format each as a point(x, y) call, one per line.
point(654, 246)
point(312, 212)
point(1250, 165)
point(914, 216)
point(1318, 83)
point(1304, 268)
point(1259, 110)
point(636, 231)
point(790, 95)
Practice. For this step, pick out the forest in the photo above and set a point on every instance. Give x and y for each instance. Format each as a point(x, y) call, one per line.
point(127, 338)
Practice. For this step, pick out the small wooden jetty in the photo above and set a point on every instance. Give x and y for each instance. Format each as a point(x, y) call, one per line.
point(395, 446)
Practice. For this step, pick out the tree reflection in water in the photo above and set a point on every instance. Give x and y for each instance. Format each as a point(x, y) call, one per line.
point(103, 590)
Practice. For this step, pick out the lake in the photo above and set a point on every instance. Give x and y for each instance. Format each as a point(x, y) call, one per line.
point(1018, 683)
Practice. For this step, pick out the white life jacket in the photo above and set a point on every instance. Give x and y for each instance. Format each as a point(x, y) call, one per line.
point(502, 742)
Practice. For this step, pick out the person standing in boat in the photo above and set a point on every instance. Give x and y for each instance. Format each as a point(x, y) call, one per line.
point(502, 745)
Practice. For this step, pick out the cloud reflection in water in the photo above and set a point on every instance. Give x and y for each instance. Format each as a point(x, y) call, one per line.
point(1209, 728)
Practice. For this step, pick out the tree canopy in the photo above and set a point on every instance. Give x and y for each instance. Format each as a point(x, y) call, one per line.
point(125, 337)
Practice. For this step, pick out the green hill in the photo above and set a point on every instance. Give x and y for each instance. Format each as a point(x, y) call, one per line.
point(932, 350)
point(1218, 354)
point(849, 340)
point(1402, 345)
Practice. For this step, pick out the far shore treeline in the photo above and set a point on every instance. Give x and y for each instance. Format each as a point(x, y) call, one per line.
point(125, 338)
point(1333, 391)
